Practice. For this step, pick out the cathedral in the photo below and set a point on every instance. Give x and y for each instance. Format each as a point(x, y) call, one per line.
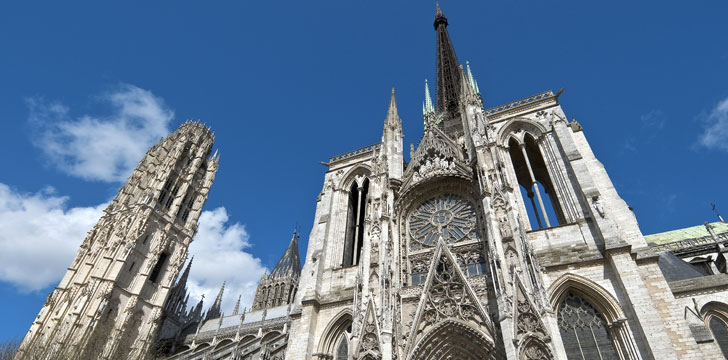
point(502, 237)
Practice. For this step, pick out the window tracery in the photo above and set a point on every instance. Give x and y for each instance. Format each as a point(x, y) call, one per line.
point(583, 330)
point(449, 217)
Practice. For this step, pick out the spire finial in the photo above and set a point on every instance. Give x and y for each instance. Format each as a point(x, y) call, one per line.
point(471, 80)
point(439, 16)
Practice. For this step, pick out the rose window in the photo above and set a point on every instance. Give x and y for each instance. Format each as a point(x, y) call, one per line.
point(449, 217)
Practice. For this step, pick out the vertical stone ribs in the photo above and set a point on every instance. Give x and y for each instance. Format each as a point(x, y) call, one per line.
point(448, 79)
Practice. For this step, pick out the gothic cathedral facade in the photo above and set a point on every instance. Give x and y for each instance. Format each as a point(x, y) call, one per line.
point(502, 238)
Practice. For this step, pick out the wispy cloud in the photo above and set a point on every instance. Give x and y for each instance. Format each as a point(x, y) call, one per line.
point(39, 235)
point(105, 148)
point(653, 120)
point(715, 131)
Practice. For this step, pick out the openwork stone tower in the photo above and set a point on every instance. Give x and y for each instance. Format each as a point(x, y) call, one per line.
point(109, 302)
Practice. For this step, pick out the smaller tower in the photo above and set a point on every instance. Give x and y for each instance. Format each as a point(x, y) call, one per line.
point(279, 287)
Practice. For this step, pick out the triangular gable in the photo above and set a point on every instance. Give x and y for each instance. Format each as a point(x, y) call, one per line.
point(369, 343)
point(447, 295)
point(526, 321)
point(436, 155)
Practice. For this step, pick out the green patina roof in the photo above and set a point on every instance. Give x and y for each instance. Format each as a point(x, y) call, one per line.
point(686, 233)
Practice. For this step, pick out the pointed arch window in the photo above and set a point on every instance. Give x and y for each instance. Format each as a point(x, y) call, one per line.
point(720, 333)
point(355, 222)
point(536, 185)
point(342, 349)
point(583, 330)
point(187, 203)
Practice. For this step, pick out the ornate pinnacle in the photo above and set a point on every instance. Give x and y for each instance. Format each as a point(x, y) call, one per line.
point(237, 306)
point(427, 106)
point(473, 83)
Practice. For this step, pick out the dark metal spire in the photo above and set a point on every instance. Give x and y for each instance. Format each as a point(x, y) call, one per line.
point(448, 78)
point(290, 262)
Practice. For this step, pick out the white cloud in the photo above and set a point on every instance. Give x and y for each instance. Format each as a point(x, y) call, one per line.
point(219, 256)
point(716, 127)
point(105, 148)
point(39, 236)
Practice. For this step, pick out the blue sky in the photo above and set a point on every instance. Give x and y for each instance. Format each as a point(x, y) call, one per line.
point(86, 87)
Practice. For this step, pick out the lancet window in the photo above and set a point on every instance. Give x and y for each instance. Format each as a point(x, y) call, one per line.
point(169, 192)
point(536, 185)
point(355, 222)
point(154, 275)
point(720, 333)
point(583, 330)
point(342, 349)
point(187, 203)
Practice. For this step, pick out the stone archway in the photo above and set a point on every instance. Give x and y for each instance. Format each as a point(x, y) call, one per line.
point(453, 340)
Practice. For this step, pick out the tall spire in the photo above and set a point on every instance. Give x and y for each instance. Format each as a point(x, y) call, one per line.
point(448, 78)
point(214, 311)
point(186, 273)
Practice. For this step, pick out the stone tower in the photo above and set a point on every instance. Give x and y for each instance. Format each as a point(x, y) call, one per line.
point(502, 238)
point(279, 287)
point(109, 302)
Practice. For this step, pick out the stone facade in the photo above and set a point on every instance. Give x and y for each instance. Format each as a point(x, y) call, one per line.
point(502, 238)
point(110, 301)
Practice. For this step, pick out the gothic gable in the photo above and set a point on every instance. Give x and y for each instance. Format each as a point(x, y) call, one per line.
point(447, 297)
point(369, 347)
point(436, 156)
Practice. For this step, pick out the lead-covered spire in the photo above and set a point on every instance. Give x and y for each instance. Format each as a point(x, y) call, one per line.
point(448, 78)
point(290, 263)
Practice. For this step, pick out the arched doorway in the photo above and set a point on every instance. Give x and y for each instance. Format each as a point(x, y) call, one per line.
point(453, 340)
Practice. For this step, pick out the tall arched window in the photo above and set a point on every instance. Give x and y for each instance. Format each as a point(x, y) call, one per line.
point(583, 330)
point(355, 222)
point(342, 349)
point(533, 176)
point(720, 333)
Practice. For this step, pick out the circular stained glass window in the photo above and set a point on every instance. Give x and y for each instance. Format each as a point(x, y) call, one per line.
point(448, 216)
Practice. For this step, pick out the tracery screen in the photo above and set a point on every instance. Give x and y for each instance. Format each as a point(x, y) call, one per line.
point(448, 216)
